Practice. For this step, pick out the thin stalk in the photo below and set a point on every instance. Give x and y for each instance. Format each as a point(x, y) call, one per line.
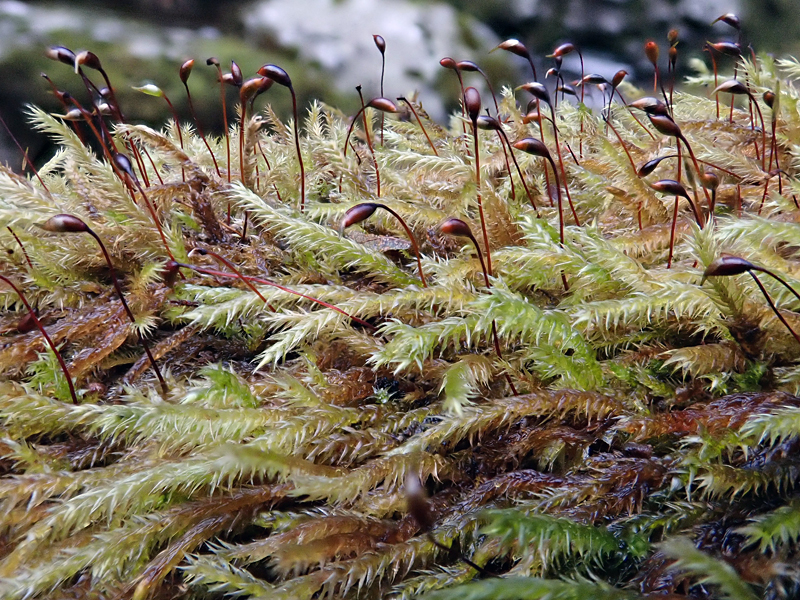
point(773, 307)
point(113, 272)
point(300, 155)
point(414, 112)
point(200, 128)
point(411, 238)
point(24, 252)
point(24, 154)
point(49, 341)
point(232, 267)
point(478, 192)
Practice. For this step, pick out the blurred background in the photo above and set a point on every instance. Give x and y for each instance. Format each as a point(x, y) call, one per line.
point(327, 47)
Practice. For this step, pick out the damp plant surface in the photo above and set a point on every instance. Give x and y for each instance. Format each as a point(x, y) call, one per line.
point(544, 352)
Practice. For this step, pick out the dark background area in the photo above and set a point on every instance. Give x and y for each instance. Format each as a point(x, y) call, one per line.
point(611, 34)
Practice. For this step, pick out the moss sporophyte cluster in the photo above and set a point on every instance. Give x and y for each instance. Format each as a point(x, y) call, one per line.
point(544, 352)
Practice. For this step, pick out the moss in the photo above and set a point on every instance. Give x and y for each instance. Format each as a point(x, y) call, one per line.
point(584, 422)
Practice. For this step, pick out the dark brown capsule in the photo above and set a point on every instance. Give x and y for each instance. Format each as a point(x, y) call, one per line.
point(61, 54)
point(357, 213)
point(417, 503)
point(729, 19)
point(672, 37)
point(124, 165)
point(533, 146)
point(515, 47)
point(472, 102)
point(672, 187)
point(277, 74)
point(618, 77)
point(380, 43)
point(383, 105)
point(186, 70)
point(650, 166)
point(727, 48)
point(726, 265)
point(88, 59)
point(236, 73)
point(65, 224)
point(650, 105)
point(651, 52)
point(732, 86)
point(537, 90)
point(562, 50)
point(457, 227)
point(664, 124)
point(468, 65)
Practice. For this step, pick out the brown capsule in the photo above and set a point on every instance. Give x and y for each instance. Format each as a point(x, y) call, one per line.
point(383, 105)
point(236, 73)
point(250, 89)
point(537, 90)
point(551, 72)
point(567, 89)
point(73, 114)
point(650, 166)
point(418, 504)
point(726, 265)
point(651, 52)
point(650, 105)
point(171, 272)
point(213, 60)
point(593, 79)
point(227, 78)
point(186, 70)
point(61, 54)
point(357, 213)
point(727, 48)
point(513, 46)
point(533, 146)
point(664, 124)
point(26, 323)
point(729, 19)
point(88, 59)
point(672, 37)
point(468, 65)
point(380, 43)
point(124, 165)
point(672, 53)
point(449, 63)
point(672, 187)
point(65, 224)
point(457, 227)
point(472, 102)
point(769, 98)
point(277, 74)
point(710, 180)
point(732, 86)
point(264, 84)
point(488, 123)
point(532, 116)
point(562, 50)
point(618, 77)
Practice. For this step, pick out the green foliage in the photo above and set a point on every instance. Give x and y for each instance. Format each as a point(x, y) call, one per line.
point(580, 410)
point(707, 569)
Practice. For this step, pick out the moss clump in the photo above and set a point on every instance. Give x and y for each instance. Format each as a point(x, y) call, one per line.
point(650, 409)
